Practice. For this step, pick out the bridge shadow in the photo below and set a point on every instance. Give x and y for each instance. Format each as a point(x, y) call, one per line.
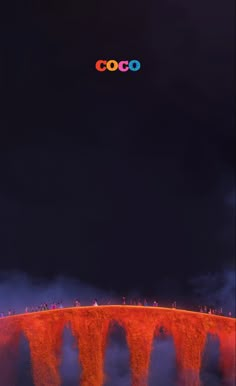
point(24, 370)
point(210, 373)
point(117, 357)
point(163, 370)
point(70, 369)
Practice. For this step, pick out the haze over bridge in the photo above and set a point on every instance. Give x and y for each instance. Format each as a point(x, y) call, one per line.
point(90, 327)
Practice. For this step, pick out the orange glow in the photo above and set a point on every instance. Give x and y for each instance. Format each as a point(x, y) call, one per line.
point(90, 327)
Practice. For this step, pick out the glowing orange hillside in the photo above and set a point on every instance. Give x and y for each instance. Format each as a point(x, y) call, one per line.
point(90, 326)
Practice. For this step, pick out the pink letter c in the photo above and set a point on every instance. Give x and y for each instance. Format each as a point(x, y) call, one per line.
point(122, 64)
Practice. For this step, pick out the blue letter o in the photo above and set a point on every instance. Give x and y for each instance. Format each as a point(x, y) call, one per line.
point(134, 65)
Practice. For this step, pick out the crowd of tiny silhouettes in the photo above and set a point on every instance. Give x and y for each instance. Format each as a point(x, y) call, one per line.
point(124, 301)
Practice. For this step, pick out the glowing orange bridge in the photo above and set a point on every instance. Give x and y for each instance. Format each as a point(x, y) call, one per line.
point(90, 327)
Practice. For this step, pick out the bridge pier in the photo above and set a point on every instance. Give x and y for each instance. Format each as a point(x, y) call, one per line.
point(45, 342)
point(139, 335)
point(189, 346)
point(91, 335)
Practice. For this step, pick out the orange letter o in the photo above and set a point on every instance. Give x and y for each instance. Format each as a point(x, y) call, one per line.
point(112, 65)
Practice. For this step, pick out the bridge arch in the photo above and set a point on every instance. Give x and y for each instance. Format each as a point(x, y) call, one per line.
point(70, 367)
point(162, 370)
point(24, 374)
point(117, 356)
point(210, 372)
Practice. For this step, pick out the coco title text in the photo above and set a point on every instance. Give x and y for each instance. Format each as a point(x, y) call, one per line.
point(113, 65)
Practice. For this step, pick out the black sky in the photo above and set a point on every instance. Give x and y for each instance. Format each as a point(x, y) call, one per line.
point(121, 180)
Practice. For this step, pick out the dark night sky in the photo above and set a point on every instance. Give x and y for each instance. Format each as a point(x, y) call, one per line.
point(121, 180)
